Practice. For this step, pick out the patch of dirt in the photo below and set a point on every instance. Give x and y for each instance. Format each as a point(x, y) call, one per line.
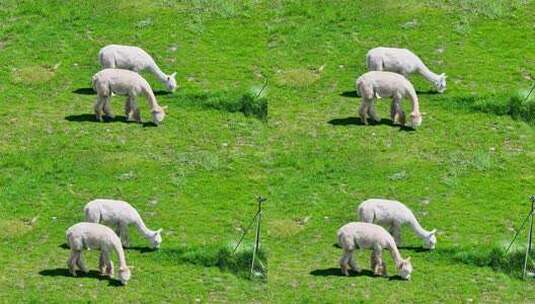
point(32, 75)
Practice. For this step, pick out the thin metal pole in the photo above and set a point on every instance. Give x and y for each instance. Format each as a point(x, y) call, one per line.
point(528, 249)
point(257, 238)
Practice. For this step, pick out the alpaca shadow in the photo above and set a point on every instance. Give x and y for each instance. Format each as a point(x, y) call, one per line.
point(149, 124)
point(336, 245)
point(356, 121)
point(141, 249)
point(396, 278)
point(64, 246)
point(85, 91)
point(336, 272)
point(92, 118)
point(162, 92)
point(428, 92)
point(63, 272)
point(414, 248)
point(90, 91)
point(350, 94)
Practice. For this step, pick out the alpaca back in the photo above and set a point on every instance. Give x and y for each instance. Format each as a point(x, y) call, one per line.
point(111, 211)
point(124, 57)
point(363, 236)
point(384, 211)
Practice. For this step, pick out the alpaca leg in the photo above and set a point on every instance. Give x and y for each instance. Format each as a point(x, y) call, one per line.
point(71, 262)
point(396, 233)
point(80, 263)
point(128, 111)
point(353, 263)
point(135, 109)
point(109, 267)
point(396, 113)
point(363, 111)
point(102, 263)
point(344, 261)
point(123, 234)
point(377, 262)
point(99, 104)
point(372, 112)
point(107, 109)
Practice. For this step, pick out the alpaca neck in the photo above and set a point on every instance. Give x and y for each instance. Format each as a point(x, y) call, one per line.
point(414, 101)
point(157, 72)
point(428, 74)
point(151, 99)
point(140, 225)
point(118, 247)
point(419, 230)
point(396, 256)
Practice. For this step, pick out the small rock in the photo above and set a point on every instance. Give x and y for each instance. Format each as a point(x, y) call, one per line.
point(341, 66)
point(173, 48)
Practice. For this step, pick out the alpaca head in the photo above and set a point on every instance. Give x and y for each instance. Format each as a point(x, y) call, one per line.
point(405, 269)
point(431, 240)
point(170, 82)
point(415, 119)
point(124, 275)
point(158, 114)
point(156, 239)
point(440, 84)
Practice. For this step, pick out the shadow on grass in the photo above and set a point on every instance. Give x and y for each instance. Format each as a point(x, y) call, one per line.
point(414, 248)
point(336, 272)
point(64, 246)
point(141, 249)
point(92, 118)
point(85, 91)
point(64, 272)
point(221, 256)
point(90, 91)
point(356, 121)
point(428, 92)
point(350, 94)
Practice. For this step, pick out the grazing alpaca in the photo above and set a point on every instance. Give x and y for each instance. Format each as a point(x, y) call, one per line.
point(120, 214)
point(134, 59)
point(124, 82)
point(373, 85)
point(358, 235)
point(393, 214)
point(95, 236)
point(404, 62)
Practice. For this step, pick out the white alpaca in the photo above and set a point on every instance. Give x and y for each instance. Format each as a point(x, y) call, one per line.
point(95, 236)
point(120, 214)
point(373, 85)
point(393, 214)
point(124, 82)
point(135, 59)
point(359, 235)
point(404, 62)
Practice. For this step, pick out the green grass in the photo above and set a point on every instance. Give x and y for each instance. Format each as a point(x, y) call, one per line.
point(468, 171)
point(196, 176)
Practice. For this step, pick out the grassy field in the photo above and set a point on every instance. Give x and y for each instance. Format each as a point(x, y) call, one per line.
point(466, 171)
point(196, 176)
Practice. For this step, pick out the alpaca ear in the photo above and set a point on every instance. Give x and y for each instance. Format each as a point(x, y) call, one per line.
point(433, 232)
point(408, 259)
point(164, 107)
point(173, 75)
point(159, 231)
